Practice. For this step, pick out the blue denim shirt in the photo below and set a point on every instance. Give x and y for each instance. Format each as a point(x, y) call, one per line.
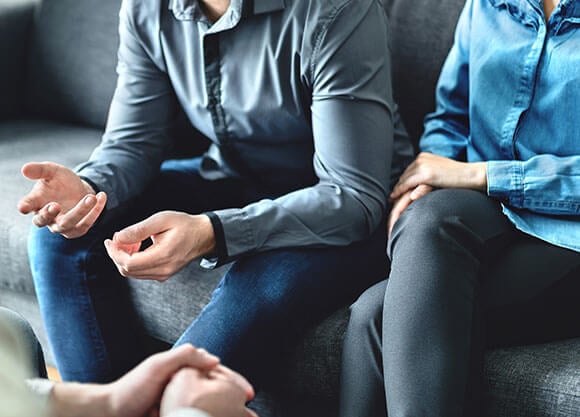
point(297, 91)
point(509, 94)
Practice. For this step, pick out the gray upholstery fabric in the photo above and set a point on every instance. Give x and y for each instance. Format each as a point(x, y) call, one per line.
point(534, 381)
point(421, 35)
point(15, 25)
point(72, 60)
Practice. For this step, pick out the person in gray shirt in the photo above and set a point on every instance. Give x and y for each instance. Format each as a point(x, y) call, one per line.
point(295, 98)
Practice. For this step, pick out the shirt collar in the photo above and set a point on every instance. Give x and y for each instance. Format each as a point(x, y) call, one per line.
point(190, 9)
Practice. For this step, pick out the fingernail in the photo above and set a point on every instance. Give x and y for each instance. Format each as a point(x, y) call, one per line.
point(52, 209)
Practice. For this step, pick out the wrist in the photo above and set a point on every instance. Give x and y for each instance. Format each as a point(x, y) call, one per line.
point(81, 400)
point(209, 244)
point(479, 176)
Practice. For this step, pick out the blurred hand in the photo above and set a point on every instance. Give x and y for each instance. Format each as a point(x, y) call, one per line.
point(220, 392)
point(60, 200)
point(137, 394)
point(178, 238)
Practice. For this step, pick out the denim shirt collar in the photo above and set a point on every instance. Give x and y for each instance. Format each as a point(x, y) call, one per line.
point(191, 10)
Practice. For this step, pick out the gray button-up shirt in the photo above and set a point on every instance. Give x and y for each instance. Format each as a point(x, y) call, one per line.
point(295, 90)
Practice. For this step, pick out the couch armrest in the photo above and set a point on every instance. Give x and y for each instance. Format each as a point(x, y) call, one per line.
point(16, 18)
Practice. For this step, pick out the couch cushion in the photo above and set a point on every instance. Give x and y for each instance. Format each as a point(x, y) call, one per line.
point(168, 308)
point(72, 60)
point(21, 142)
point(534, 381)
point(421, 35)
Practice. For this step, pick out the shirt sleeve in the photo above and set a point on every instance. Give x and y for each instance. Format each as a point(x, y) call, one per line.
point(143, 108)
point(447, 128)
point(543, 184)
point(352, 122)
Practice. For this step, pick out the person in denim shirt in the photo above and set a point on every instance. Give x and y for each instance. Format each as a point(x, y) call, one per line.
point(485, 229)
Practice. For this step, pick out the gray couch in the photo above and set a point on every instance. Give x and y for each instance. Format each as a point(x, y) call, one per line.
point(57, 60)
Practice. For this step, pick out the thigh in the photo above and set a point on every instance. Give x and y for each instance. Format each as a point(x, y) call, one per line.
point(531, 293)
point(268, 300)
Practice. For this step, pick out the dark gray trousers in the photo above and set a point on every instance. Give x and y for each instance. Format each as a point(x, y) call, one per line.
point(462, 279)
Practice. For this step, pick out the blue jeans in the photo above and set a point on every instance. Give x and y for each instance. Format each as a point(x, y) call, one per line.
point(259, 310)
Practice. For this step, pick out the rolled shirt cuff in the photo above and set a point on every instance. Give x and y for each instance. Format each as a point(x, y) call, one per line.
point(505, 181)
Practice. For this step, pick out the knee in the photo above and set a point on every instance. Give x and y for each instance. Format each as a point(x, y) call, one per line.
point(438, 215)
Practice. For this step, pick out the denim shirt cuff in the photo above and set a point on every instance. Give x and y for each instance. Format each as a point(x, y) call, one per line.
point(505, 181)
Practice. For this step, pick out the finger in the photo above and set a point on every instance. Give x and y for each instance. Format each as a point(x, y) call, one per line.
point(90, 219)
point(142, 230)
point(420, 191)
point(119, 257)
point(123, 262)
point(236, 378)
point(30, 202)
point(39, 170)
point(69, 220)
point(184, 356)
point(400, 206)
point(46, 215)
point(149, 264)
point(405, 183)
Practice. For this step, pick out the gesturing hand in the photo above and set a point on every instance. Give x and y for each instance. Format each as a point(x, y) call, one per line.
point(440, 172)
point(178, 238)
point(220, 392)
point(61, 200)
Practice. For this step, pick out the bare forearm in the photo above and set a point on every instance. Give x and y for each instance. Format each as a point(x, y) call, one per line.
point(80, 400)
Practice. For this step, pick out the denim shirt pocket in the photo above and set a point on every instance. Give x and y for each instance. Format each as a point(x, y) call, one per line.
point(519, 10)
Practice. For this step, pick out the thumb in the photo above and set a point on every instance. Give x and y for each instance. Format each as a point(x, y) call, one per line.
point(140, 231)
point(40, 170)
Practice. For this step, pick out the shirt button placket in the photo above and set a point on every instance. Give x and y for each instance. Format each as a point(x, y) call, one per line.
point(213, 87)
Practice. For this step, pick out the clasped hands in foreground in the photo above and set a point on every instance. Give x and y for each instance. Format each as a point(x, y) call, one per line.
point(68, 205)
point(164, 383)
